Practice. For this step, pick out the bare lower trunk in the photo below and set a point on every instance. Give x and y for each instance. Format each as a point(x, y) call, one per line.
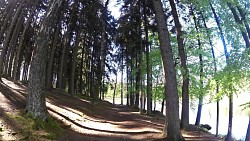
point(115, 89)
point(198, 116)
point(162, 106)
point(185, 79)
point(172, 125)
point(122, 78)
point(217, 118)
point(230, 121)
point(36, 105)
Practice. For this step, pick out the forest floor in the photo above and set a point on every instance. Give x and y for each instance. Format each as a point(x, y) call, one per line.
point(81, 119)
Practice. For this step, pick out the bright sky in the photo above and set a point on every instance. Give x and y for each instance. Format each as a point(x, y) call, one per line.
point(114, 8)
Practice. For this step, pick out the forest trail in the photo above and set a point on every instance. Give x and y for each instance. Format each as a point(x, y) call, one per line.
point(85, 121)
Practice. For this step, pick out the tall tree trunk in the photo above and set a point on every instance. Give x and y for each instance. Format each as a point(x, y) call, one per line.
point(74, 62)
point(49, 77)
point(149, 83)
point(12, 46)
point(9, 10)
point(138, 80)
point(215, 73)
point(239, 21)
point(243, 18)
point(12, 55)
point(185, 77)
point(64, 54)
point(122, 76)
point(103, 47)
point(36, 105)
point(201, 94)
point(229, 134)
point(19, 51)
point(114, 93)
point(172, 125)
point(81, 66)
point(8, 36)
point(162, 105)
point(131, 91)
point(142, 105)
point(127, 71)
point(156, 88)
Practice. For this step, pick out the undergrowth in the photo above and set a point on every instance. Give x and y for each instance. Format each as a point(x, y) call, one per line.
point(37, 129)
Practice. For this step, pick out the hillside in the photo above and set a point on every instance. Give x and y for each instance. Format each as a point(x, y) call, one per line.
point(78, 119)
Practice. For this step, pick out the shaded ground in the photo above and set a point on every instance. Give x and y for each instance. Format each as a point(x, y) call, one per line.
point(86, 121)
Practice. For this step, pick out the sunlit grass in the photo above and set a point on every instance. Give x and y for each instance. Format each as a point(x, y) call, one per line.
point(37, 129)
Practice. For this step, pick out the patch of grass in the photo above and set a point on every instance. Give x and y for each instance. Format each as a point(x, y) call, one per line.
point(50, 126)
point(37, 129)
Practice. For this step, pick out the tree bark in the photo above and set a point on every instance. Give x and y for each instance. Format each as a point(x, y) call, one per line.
point(64, 54)
point(243, 18)
point(49, 77)
point(36, 105)
point(9, 9)
point(8, 36)
point(239, 21)
point(127, 71)
point(215, 73)
point(81, 66)
point(172, 125)
point(201, 94)
point(12, 44)
point(74, 62)
point(185, 77)
point(229, 134)
point(115, 88)
point(103, 46)
point(131, 91)
point(122, 76)
point(19, 51)
point(149, 81)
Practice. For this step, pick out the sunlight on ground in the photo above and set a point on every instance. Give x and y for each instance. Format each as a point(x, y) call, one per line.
point(84, 124)
point(12, 85)
point(88, 122)
point(6, 133)
point(5, 100)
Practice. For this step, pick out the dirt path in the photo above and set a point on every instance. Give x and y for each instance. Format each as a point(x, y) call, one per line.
point(86, 121)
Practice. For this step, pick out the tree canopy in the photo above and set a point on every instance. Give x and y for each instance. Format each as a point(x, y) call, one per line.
point(165, 50)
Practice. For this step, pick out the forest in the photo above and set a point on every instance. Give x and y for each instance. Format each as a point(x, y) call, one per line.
point(61, 62)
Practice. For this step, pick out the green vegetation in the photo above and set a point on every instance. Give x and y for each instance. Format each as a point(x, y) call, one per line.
point(37, 129)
